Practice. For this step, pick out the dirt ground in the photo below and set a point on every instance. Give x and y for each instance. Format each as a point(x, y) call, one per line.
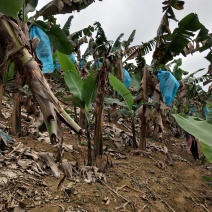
point(136, 182)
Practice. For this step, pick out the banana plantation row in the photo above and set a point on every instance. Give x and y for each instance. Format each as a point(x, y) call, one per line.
point(158, 94)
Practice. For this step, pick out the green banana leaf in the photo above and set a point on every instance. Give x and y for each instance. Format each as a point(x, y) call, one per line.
point(89, 91)
point(74, 83)
point(181, 35)
point(123, 91)
point(65, 63)
point(67, 25)
point(117, 44)
point(71, 75)
point(11, 8)
point(199, 128)
point(77, 102)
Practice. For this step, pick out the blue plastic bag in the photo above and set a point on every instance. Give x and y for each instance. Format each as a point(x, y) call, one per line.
point(72, 57)
point(168, 86)
point(43, 50)
point(127, 79)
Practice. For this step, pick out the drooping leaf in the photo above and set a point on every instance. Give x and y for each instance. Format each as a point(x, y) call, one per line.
point(52, 8)
point(198, 128)
point(122, 90)
point(11, 8)
point(186, 28)
point(88, 91)
point(177, 41)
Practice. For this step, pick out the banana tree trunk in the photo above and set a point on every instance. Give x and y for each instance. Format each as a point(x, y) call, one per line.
point(90, 160)
point(102, 82)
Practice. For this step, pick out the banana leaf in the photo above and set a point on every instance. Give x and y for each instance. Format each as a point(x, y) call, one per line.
point(53, 8)
point(67, 25)
point(71, 75)
point(122, 90)
point(198, 128)
point(11, 8)
point(89, 91)
point(181, 35)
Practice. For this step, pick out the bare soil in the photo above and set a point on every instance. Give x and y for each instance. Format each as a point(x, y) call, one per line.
point(132, 181)
point(137, 183)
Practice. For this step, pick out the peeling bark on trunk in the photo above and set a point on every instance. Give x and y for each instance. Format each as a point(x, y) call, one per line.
point(147, 89)
point(102, 81)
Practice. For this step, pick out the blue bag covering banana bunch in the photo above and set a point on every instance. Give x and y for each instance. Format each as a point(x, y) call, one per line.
point(126, 78)
point(168, 86)
point(43, 50)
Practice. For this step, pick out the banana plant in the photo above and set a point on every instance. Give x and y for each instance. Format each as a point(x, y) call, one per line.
point(83, 92)
point(18, 48)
